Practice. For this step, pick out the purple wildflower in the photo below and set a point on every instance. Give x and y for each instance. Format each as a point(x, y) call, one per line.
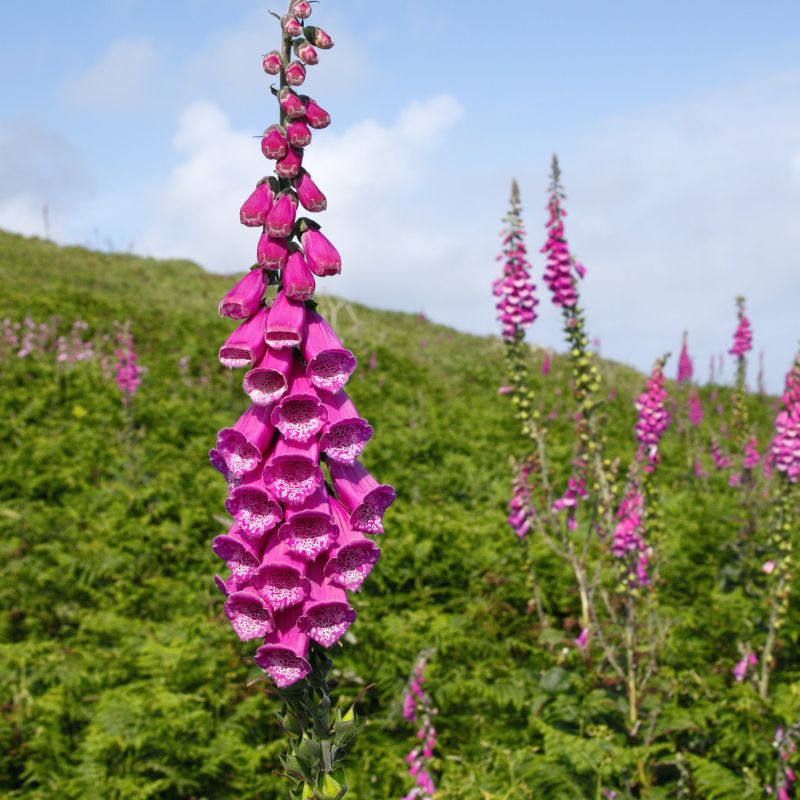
point(418, 707)
point(743, 337)
point(786, 443)
point(654, 419)
point(297, 546)
point(695, 409)
point(520, 507)
point(685, 365)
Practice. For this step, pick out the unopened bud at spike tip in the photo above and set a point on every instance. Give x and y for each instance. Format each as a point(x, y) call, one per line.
point(301, 9)
point(298, 133)
point(289, 166)
point(309, 194)
point(291, 26)
point(292, 105)
point(305, 52)
point(281, 218)
point(316, 116)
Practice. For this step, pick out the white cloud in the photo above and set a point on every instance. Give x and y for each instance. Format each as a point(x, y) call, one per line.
point(38, 167)
point(119, 81)
point(373, 175)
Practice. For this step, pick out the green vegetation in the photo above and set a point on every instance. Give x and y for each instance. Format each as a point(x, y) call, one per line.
point(120, 676)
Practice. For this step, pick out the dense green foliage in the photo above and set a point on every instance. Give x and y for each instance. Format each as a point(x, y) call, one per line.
point(121, 678)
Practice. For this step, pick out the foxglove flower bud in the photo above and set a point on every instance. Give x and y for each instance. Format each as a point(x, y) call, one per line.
point(301, 9)
point(295, 74)
point(272, 253)
point(309, 194)
point(322, 257)
point(273, 143)
point(298, 282)
point(290, 26)
point(316, 116)
point(244, 300)
point(318, 37)
point(256, 207)
point(273, 63)
point(298, 133)
point(305, 52)
point(293, 106)
point(281, 217)
point(286, 324)
point(246, 344)
point(289, 166)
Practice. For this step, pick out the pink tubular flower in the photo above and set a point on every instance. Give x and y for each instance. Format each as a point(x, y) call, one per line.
point(272, 253)
point(743, 666)
point(685, 366)
point(286, 324)
point(752, 458)
point(127, 374)
point(418, 707)
point(346, 433)
point(628, 543)
point(653, 418)
point(268, 381)
point(329, 364)
point(743, 337)
point(721, 461)
point(297, 544)
point(316, 116)
point(244, 300)
point(322, 257)
point(250, 614)
point(558, 272)
point(311, 198)
point(300, 415)
point(583, 639)
point(310, 530)
point(547, 364)
point(281, 217)
point(246, 344)
point(520, 507)
point(361, 495)
point(786, 443)
point(285, 655)
point(515, 292)
point(242, 447)
point(255, 209)
point(298, 282)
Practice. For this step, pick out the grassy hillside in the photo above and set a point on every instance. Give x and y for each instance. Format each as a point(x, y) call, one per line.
point(120, 676)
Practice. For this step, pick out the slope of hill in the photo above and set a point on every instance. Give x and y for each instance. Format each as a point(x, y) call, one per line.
point(120, 676)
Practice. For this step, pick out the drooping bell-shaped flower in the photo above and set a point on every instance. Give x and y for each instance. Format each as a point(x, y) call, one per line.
point(300, 414)
point(346, 433)
point(295, 74)
point(326, 613)
point(272, 254)
point(243, 446)
point(273, 143)
point(254, 510)
point(318, 37)
point(246, 344)
point(284, 657)
point(786, 442)
point(298, 282)
point(322, 257)
point(316, 116)
point(255, 209)
point(310, 530)
point(286, 324)
point(250, 614)
point(292, 471)
point(354, 555)
point(289, 166)
point(272, 63)
point(268, 381)
point(310, 196)
point(244, 300)
point(329, 363)
point(281, 217)
point(364, 498)
point(654, 419)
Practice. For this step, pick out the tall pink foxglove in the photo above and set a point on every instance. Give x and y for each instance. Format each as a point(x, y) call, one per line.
point(300, 501)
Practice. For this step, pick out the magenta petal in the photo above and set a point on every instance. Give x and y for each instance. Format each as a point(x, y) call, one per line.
point(300, 414)
point(329, 364)
point(316, 116)
point(298, 282)
point(309, 194)
point(346, 432)
point(255, 209)
point(284, 657)
point(249, 614)
point(326, 614)
point(244, 300)
point(292, 471)
point(246, 344)
point(322, 257)
point(280, 579)
point(286, 325)
point(269, 380)
point(361, 495)
point(310, 530)
point(243, 446)
point(281, 218)
point(354, 556)
point(299, 133)
point(272, 253)
point(240, 557)
point(255, 512)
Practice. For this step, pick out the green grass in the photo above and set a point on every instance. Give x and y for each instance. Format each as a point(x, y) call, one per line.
point(120, 676)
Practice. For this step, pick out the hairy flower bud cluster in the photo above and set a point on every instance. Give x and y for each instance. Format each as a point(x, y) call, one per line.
point(786, 443)
point(685, 364)
point(654, 419)
point(514, 290)
point(418, 707)
point(298, 540)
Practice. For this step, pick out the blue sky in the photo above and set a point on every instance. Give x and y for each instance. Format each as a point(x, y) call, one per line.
point(678, 128)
